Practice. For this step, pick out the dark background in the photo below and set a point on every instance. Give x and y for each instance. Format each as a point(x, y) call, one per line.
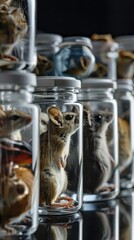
point(85, 17)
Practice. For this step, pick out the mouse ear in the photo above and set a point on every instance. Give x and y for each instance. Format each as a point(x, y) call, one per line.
point(75, 109)
point(55, 115)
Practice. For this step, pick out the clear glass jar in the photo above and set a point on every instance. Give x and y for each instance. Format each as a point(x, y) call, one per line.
point(105, 54)
point(61, 227)
point(60, 145)
point(17, 31)
point(47, 46)
point(19, 157)
point(125, 100)
point(75, 57)
point(125, 60)
point(100, 140)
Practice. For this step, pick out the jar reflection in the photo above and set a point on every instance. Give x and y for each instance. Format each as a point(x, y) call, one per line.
point(101, 221)
point(125, 218)
point(62, 228)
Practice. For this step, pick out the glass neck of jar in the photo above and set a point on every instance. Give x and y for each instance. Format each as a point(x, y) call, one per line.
point(96, 94)
point(123, 93)
point(51, 95)
point(17, 97)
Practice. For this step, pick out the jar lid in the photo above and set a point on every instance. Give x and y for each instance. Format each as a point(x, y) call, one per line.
point(18, 78)
point(98, 83)
point(126, 42)
point(125, 84)
point(105, 46)
point(76, 40)
point(57, 81)
point(48, 38)
point(125, 39)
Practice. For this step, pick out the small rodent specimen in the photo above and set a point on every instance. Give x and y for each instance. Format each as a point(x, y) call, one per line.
point(97, 161)
point(12, 31)
point(54, 150)
point(102, 37)
point(16, 191)
point(12, 122)
point(16, 179)
point(125, 153)
point(78, 68)
point(43, 65)
point(125, 65)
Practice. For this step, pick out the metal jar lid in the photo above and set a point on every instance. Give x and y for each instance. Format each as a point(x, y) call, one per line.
point(57, 81)
point(126, 84)
point(98, 83)
point(76, 40)
point(18, 78)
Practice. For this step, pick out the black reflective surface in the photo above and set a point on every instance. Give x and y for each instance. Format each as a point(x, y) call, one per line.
point(109, 220)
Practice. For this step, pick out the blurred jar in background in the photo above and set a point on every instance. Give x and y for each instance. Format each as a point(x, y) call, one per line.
point(17, 35)
point(75, 57)
point(47, 46)
point(125, 60)
point(105, 50)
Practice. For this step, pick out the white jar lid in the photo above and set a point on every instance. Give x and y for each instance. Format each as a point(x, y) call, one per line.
point(18, 78)
point(48, 38)
point(58, 81)
point(98, 83)
point(101, 46)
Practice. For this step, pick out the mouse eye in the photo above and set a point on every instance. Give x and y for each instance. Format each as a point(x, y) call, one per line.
point(14, 117)
point(98, 117)
point(43, 122)
point(68, 117)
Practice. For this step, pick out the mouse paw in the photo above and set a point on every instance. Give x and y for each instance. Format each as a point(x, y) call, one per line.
point(64, 202)
point(107, 188)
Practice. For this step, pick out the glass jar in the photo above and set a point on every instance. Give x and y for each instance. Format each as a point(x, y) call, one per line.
point(17, 31)
point(105, 54)
point(125, 60)
point(75, 57)
point(100, 140)
point(47, 46)
point(125, 100)
point(60, 145)
point(19, 157)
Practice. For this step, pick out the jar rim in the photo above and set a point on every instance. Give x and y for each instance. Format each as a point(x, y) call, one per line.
point(58, 81)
